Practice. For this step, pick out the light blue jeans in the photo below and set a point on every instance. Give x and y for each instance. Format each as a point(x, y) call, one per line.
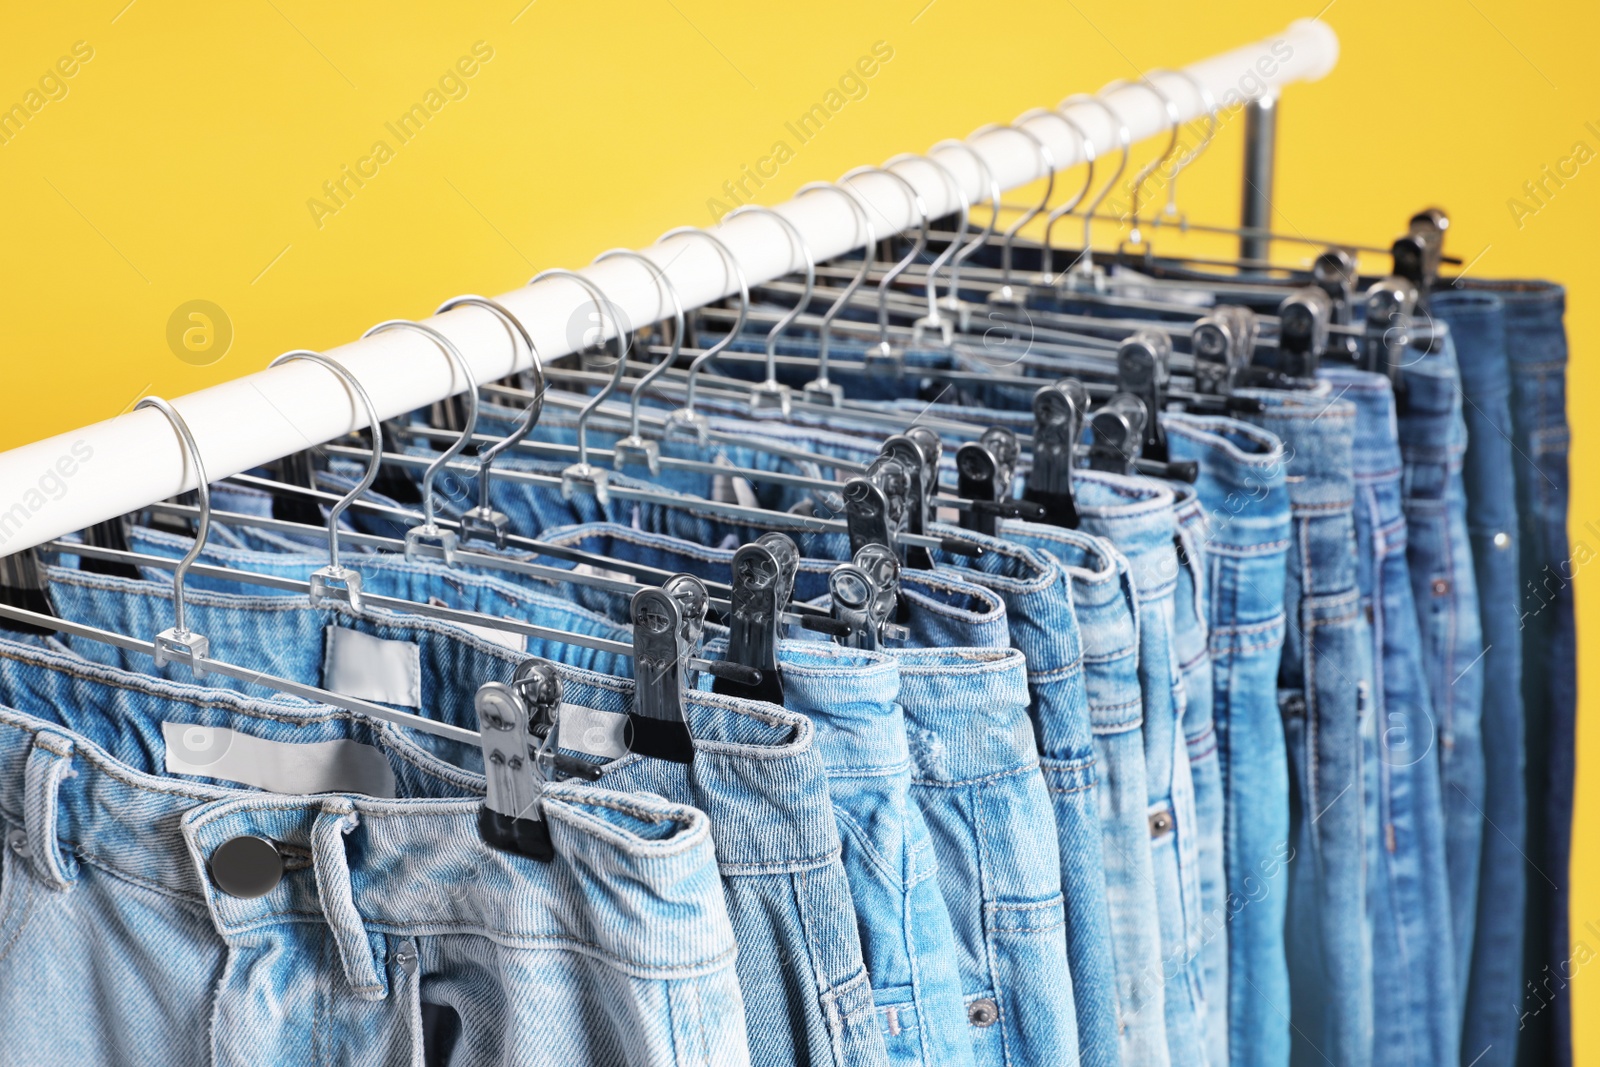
point(619, 951)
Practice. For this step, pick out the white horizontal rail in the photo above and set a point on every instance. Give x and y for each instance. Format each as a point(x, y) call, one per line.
point(71, 481)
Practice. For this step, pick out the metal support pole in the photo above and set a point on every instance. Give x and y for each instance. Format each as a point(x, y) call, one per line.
point(1260, 147)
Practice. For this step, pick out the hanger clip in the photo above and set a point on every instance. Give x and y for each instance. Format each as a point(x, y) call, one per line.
point(1144, 370)
point(1117, 434)
point(1334, 272)
point(1303, 320)
point(865, 593)
point(763, 581)
point(518, 726)
point(690, 423)
point(770, 396)
point(486, 524)
point(818, 391)
point(918, 450)
point(660, 669)
point(935, 322)
point(875, 504)
point(1390, 304)
point(984, 471)
point(1058, 414)
point(1223, 343)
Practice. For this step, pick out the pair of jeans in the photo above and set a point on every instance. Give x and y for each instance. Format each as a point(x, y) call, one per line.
point(1495, 994)
point(1137, 516)
point(1433, 444)
point(1324, 693)
point(1241, 482)
point(1416, 1018)
point(618, 951)
point(1031, 588)
point(1536, 347)
point(1105, 605)
point(756, 774)
point(1041, 625)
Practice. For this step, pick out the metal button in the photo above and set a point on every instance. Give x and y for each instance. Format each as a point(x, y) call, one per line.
point(1502, 540)
point(247, 867)
point(1160, 823)
point(17, 842)
point(983, 1012)
point(1441, 586)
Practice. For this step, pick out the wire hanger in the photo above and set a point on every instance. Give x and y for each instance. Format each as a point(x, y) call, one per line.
point(769, 394)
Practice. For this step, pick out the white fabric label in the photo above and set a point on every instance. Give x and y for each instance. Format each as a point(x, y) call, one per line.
point(277, 766)
point(370, 668)
point(594, 732)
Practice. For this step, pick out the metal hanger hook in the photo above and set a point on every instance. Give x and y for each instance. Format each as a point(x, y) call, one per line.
point(430, 527)
point(343, 373)
point(604, 308)
point(180, 637)
point(986, 176)
point(1071, 205)
point(822, 386)
point(731, 265)
point(663, 285)
point(1048, 162)
point(1085, 261)
point(1210, 103)
point(921, 208)
point(965, 202)
point(530, 415)
point(799, 243)
point(1174, 121)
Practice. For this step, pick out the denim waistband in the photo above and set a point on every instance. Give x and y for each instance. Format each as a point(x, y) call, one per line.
point(1480, 316)
point(1375, 451)
point(1243, 469)
point(418, 864)
point(1318, 430)
point(852, 696)
point(967, 714)
point(1135, 514)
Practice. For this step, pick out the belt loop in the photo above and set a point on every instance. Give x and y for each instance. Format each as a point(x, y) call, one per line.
point(49, 764)
point(357, 951)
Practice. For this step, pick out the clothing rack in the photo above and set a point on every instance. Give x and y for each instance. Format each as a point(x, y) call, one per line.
point(128, 462)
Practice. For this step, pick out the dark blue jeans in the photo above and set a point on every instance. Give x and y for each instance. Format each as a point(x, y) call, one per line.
point(1536, 346)
point(1493, 1020)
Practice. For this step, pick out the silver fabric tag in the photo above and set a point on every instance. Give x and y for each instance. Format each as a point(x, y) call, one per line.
point(594, 732)
point(371, 668)
point(277, 766)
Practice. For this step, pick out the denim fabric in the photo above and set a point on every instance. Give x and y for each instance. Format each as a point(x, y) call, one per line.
point(1495, 994)
point(976, 777)
point(1536, 346)
point(1416, 1019)
point(1041, 625)
point(1433, 442)
point(1137, 516)
point(756, 774)
point(1324, 693)
point(1242, 485)
point(619, 951)
point(907, 939)
point(1192, 642)
point(1105, 605)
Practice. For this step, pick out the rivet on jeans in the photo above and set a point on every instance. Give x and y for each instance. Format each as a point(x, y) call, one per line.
point(1160, 823)
point(406, 956)
point(983, 1012)
point(1502, 540)
point(1441, 586)
point(17, 842)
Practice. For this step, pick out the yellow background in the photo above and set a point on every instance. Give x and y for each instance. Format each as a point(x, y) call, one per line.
point(179, 163)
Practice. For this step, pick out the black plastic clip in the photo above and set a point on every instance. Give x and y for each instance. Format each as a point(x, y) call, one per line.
point(1303, 320)
point(865, 593)
point(1390, 305)
point(1117, 434)
point(660, 676)
point(1144, 370)
point(1335, 273)
point(1059, 411)
point(763, 581)
point(519, 727)
point(984, 470)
